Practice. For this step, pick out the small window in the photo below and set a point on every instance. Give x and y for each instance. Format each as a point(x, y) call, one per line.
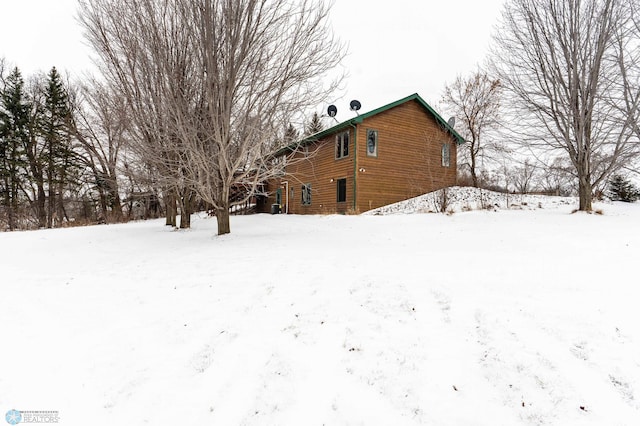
point(372, 143)
point(279, 165)
point(446, 155)
point(342, 190)
point(342, 145)
point(306, 194)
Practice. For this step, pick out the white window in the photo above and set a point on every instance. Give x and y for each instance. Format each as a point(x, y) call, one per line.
point(372, 143)
point(446, 155)
point(342, 145)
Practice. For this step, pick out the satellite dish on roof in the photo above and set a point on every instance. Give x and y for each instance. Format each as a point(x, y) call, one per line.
point(332, 111)
point(355, 105)
point(451, 122)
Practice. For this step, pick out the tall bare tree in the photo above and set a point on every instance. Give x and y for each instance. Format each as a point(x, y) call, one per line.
point(143, 56)
point(559, 60)
point(101, 125)
point(628, 56)
point(211, 84)
point(475, 102)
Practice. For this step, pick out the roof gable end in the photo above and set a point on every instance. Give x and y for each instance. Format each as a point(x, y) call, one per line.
point(359, 119)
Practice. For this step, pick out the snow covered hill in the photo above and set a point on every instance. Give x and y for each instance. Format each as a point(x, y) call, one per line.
point(461, 199)
point(510, 317)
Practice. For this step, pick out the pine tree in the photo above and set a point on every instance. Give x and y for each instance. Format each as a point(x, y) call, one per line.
point(620, 189)
point(14, 119)
point(59, 158)
point(291, 135)
point(315, 125)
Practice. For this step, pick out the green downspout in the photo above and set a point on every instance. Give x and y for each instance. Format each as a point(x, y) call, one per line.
point(355, 163)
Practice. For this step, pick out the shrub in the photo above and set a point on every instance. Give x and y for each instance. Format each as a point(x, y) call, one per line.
point(620, 189)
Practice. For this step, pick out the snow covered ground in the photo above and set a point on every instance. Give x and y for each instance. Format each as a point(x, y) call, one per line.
point(508, 317)
point(464, 199)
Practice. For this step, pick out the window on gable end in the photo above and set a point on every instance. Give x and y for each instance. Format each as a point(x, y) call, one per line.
point(342, 145)
point(446, 155)
point(372, 143)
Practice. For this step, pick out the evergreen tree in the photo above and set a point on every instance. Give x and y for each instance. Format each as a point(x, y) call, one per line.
point(315, 125)
point(291, 135)
point(620, 189)
point(59, 159)
point(14, 119)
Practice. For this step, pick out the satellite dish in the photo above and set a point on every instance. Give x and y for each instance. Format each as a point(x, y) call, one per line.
point(355, 105)
point(451, 122)
point(332, 110)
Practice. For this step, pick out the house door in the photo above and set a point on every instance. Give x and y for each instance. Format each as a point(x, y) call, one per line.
point(279, 196)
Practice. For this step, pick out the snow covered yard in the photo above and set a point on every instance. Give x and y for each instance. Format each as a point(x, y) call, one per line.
point(477, 318)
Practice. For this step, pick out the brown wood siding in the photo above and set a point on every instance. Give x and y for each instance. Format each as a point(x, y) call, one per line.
point(408, 164)
point(321, 170)
point(409, 161)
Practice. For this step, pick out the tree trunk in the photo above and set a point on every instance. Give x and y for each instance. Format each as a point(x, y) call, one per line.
point(474, 176)
point(585, 192)
point(585, 187)
point(104, 216)
point(38, 178)
point(117, 207)
point(114, 193)
point(8, 204)
point(50, 205)
point(61, 212)
point(186, 209)
point(51, 200)
point(222, 215)
point(171, 213)
point(185, 219)
point(40, 204)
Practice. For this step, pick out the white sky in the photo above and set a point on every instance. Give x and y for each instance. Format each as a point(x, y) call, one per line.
point(396, 47)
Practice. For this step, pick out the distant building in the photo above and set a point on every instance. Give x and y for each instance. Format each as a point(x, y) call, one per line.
point(398, 151)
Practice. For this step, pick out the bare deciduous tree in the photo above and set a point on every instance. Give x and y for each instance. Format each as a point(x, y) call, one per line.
point(144, 57)
point(212, 83)
point(101, 124)
point(524, 177)
point(557, 177)
point(475, 102)
point(628, 56)
point(559, 61)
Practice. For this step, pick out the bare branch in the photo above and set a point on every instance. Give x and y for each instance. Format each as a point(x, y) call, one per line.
point(562, 63)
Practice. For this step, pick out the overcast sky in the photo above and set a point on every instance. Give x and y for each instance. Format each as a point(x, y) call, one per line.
point(397, 47)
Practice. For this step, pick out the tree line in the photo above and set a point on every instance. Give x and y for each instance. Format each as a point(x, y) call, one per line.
point(42, 172)
point(556, 107)
point(68, 156)
point(193, 97)
point(210, 85)
point(64, 156)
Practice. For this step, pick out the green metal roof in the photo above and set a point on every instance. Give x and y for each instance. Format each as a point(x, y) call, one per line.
point(357, 120)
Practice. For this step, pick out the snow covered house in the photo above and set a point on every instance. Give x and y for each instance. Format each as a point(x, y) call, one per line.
point(398, 151)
